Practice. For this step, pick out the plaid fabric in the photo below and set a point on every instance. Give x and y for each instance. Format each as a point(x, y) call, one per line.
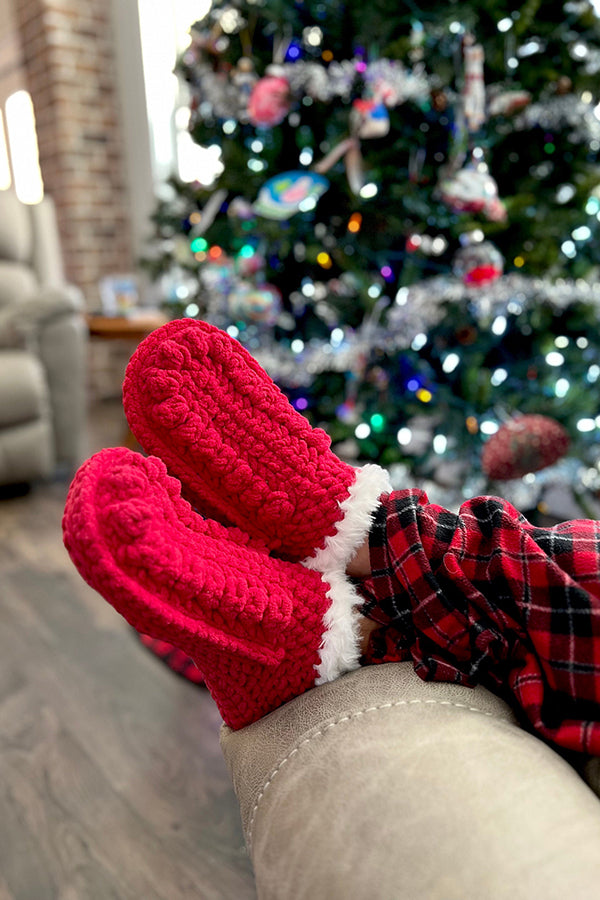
point(486, 597)
point(174, 658)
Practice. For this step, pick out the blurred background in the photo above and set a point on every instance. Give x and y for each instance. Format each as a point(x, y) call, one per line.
point(394, 206)
point(396, 212)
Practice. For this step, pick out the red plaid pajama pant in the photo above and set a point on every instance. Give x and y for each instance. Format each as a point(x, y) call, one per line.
point(483, 596)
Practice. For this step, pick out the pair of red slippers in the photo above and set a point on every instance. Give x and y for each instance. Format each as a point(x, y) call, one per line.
point(231, 540)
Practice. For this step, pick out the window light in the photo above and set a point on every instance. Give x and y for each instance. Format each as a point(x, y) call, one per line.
point(22, 139)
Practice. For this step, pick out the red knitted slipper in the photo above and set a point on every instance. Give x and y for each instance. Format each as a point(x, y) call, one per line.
point(196, 398)
point(260, 629)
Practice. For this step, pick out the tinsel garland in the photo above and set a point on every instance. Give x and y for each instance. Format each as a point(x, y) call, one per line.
point(555, 113)
point(417, 309)
point(227, 99)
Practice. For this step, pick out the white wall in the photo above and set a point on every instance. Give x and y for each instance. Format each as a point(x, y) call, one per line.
point(136, 133)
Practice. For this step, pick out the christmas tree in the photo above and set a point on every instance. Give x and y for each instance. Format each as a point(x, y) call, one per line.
point(405, 228)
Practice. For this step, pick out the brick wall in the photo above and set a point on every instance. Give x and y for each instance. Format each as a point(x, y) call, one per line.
point(67, 54)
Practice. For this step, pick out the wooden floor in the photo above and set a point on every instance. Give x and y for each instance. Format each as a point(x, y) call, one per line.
point(112, 784)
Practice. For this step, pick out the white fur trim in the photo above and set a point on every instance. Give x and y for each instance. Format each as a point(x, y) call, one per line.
point(340, 649)
point(370, 483)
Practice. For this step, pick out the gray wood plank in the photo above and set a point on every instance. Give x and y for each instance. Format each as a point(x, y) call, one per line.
point(112, 783)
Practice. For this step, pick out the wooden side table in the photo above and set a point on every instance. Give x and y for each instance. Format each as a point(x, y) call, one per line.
point(133, 329)
point(130, 328)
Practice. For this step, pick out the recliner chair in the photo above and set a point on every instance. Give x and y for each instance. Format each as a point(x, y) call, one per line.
point(42, 348)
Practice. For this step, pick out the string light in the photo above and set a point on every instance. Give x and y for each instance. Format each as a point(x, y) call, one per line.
point(368, 190)
point(424, 395)
point(362, 431)
point(499, 325)
point(256, 165)
point(198, 245)
point(585, 425)
point(336, 337)
point(440, 443)
point(404, 436)
point(592, 206)
point(450, 362)
point(498, 376)
point(215, 252)
point(307, 204)
point(324, 260)
point(377, 422)
point(488, 427)
point(593, 373)
point(354, 223)
point(313, 36)
point(582, 233)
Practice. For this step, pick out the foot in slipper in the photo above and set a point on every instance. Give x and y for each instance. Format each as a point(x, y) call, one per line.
point(261, 630)
point(196, 398)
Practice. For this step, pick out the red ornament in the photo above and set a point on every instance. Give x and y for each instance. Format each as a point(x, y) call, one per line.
point(269, 102)
point(478, 264)
point(483, 274)
point(525, 444)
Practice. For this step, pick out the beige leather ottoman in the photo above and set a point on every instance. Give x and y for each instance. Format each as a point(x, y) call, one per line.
point(383, 787)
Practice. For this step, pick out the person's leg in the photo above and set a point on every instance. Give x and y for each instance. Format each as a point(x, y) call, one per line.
point(195, 397)
point(483, 596)
point(261, 629)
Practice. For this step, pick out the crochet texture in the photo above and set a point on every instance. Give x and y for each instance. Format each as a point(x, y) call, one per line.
point(196, 398)
point(252, 623)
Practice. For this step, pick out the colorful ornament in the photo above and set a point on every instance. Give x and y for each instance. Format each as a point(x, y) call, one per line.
point(473, 94)
point(284, 195)
point(218, 275)
point(508, 102)
point(243, 76)
point(524, 444)
point(269, 101)
point(474, 191)
point(241, 209)
point(478, 264)
point(369, 119)
point(348, 413)
point(259, 304)
point(246, 265)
